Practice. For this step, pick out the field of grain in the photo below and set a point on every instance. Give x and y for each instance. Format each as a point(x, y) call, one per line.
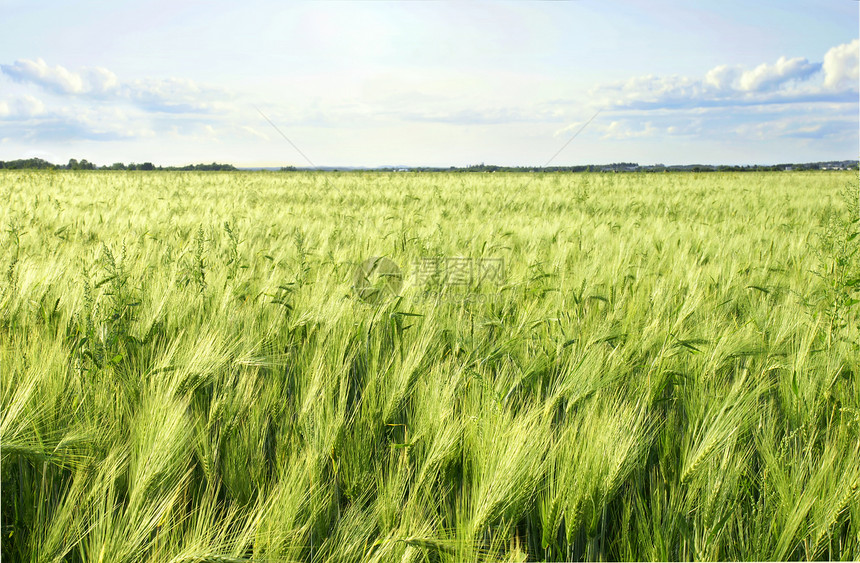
point(665, 367)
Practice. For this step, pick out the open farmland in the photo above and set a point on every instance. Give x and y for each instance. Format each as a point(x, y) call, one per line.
point(664, 367)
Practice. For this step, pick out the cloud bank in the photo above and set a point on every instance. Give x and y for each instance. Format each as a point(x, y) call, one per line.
point(93, 104)
point(792, 97)
point(172, 95)
point(793, 80)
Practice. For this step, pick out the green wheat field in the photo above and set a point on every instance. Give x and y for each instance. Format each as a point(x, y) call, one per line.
point(666, 368)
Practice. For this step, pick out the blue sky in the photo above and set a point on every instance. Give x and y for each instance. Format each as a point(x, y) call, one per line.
point(429, 83)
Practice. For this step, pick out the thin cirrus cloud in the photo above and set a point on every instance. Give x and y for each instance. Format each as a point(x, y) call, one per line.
point(481, 116)
point(29, 120)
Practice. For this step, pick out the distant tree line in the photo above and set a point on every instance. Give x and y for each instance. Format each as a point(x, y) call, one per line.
point(634, 167)
point(74, 164)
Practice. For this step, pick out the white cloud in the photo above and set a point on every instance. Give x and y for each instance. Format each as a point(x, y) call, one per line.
point(795, 80)
point(158, 95)
point(21, 107)
point(792, 99)
point(56, 78)
point(841, 66)
point(766, 77)
point(722, 77)
point(101, 80)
